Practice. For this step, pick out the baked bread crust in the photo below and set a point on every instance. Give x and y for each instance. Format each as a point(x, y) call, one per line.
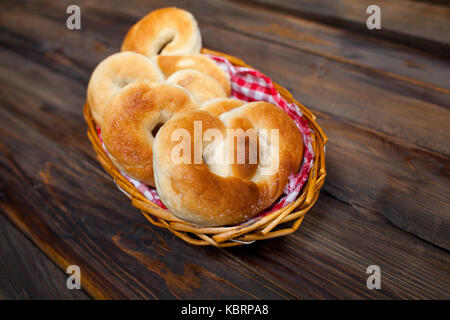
point(130, 120)
point(165, 31)
point(193, 192)
point(221, 105)
point(199, 62)
point(202, 87)
point(114, 73)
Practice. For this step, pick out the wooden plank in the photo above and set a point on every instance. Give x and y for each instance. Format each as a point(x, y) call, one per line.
point(57, 200)
point(26, 272)
point(57, 193)
point(418, 24)
point(336, 44)
point(375, 55)
point(398, 119)
point(408, 186)
point(403, 116)
point(395, 107)
point(404, 109)
point(329, 255)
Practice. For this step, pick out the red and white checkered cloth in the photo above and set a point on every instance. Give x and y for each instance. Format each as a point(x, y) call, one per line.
point(251, 85)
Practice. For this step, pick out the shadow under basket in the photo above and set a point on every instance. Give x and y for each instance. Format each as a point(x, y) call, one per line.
point(275, 224)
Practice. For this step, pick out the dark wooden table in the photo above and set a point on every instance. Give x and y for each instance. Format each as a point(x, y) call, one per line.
point(382, 97)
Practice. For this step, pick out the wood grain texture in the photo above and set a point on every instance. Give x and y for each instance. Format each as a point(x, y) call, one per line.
point(372, 100)
point(26, 272)
point(415, 23)
point(337, 44)
point(380, 175)
point(329, 256)
point(401, 103)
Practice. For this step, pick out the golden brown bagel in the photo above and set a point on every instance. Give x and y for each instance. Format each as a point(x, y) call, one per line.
point(221, 105)
point(131, 119)
point(202, 87)
point(164, 31)
point(199, 62)
point(225, 194)
point(115, 72)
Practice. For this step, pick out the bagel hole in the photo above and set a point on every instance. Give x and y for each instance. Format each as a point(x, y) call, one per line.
point(156, 128)
point(165, 44)
point(121, 82)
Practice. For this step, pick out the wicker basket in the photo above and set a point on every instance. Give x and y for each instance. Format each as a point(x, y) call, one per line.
point(278, 223)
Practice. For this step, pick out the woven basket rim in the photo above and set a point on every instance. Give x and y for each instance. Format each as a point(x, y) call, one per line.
point(265, 227)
